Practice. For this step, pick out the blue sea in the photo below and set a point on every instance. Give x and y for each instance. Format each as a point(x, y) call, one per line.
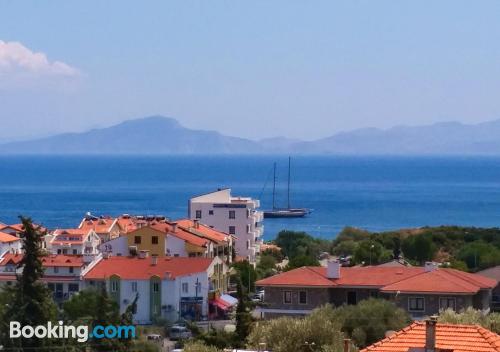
point(375, 193)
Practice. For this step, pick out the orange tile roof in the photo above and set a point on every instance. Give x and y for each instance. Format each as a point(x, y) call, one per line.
point(6, 238)
point(131, 268)
point(103, 225)
point(19, 227)
point(59, 260)
point(304, 276)
point(168, 229)
point(388, 279)
point(76, 236)
point(440, 280)
point(203, 230)
point(456, 338)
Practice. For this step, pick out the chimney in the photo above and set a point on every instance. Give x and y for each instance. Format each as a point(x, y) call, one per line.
point(430, 334)
point(174, 227)
point(196, 224)
point(143, 254)
point(347, 345)
point(430, 266)
point(154, 260)
point(333, 269)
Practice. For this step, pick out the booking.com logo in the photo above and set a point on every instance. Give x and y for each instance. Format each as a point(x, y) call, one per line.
point(80, 333)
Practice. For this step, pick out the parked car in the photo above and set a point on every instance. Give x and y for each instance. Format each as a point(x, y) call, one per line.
point(177, 332)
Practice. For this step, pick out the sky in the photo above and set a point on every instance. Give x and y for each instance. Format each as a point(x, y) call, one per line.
point(254, 69)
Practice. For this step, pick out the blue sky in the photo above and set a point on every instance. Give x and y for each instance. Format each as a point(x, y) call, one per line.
point(252, 69)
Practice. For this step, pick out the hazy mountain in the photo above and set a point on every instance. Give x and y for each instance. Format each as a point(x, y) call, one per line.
point(162, 135)
point(442, 138)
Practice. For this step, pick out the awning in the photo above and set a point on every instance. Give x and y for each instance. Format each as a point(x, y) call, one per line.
point(229, 300)
point(220, 304)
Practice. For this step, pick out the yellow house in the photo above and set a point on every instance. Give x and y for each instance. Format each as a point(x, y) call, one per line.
point(165, 239)
point(148, 238)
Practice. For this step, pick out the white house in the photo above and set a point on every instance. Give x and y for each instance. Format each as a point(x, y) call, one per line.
point(73, 241)
point(9, 244)
point(167, 287)
point(238, 216)
point(63, 274)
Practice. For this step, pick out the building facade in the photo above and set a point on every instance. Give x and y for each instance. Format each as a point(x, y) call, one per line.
point(237, 216)
point(421, 291)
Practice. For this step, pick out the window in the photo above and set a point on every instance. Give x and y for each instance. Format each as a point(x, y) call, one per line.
point(137, 239)
point(114, 286)
point(447, 302)
point(374, 294)
point(154, 240)
point(71, 270)
point(352, 297)
point(302, 297)
point(156, 287)
point(210, 212)
point(185, 287)
point(56, 269)
point(73, 288)
point(198, 214)
point(232, 214)
point(59, 251)
point(287, 297)
point(232, 230)
point(75, 251)
point(133, 286)
point(416, 304)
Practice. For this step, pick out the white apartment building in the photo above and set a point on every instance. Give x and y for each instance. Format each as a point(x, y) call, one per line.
point(236, 216)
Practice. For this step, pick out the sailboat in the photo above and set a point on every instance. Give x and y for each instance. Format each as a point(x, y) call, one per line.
point(287, 212)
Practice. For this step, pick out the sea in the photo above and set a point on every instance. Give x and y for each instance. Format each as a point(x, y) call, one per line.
point(373, 193)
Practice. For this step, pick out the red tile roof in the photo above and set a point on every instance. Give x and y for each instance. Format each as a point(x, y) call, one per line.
point(168, 229)
point(456, 338)
point(203, 230)
point(19, 227)
point(131, 268)
point(103, 225)
point(388, 279)
point(59, 260)
point(6, 238)
point(75, 236)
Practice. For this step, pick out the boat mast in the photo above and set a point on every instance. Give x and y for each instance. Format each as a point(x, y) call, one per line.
point(288, 198)
point(274, 185)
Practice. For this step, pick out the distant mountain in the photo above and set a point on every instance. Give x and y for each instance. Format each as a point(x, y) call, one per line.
point(162, 135)
point(448, 138)
point(150, 135)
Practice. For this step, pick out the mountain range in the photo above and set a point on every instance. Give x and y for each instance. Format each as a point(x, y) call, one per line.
point(163, 135)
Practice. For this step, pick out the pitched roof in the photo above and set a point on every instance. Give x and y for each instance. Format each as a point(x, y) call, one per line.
point(388, 279)
point(168, 229)
point(75, 236)
point(203, 230)
point(6, 238)
point(102, 225)
point(59, 260)
point(131, 268)
point(456, 338)
point(492, 273)
point(19, 227)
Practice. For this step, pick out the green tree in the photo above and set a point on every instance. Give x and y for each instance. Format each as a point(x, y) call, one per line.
point(295, 244)
point(199, 347)
point(471, 316)
point(300, 261)
point(368, 321)
point(266, 266)
point(371, 253)
point(246, 274)
point(319, 331)
point(419, 248)
point(106, 313)
point(31, 301)
point(479, 255)
point(243, 317)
